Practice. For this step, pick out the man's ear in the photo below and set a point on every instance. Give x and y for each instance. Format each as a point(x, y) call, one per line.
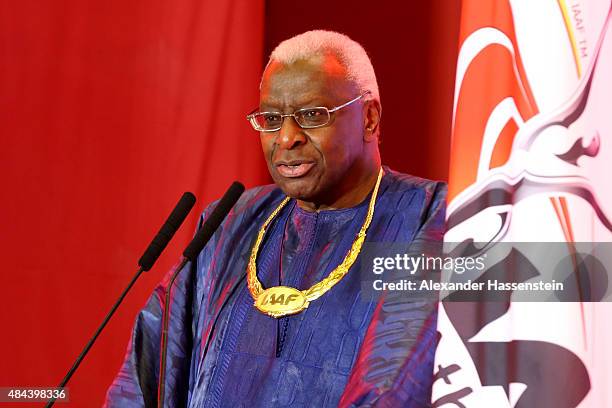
point(371, 120)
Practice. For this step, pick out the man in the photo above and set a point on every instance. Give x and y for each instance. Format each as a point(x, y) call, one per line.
point(272, 313)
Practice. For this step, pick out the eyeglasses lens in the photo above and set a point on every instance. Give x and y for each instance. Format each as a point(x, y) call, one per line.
point(313, 117)
point(268, 121)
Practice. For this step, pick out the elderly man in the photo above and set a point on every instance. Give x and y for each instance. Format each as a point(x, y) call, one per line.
point(272, 313)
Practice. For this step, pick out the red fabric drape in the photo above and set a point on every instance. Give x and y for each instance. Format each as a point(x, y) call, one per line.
point(109, 111)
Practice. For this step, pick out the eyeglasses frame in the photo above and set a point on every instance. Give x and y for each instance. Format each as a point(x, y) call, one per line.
point(252, 115)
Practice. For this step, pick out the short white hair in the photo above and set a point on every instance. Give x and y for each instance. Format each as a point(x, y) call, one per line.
point(316, 43)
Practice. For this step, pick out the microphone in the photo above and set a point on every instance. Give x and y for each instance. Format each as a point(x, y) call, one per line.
point(211, 224)
point(155, 248)
point(165, 234)
point(190, 253)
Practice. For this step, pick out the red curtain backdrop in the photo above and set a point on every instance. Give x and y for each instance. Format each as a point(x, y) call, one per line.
point(110, 110)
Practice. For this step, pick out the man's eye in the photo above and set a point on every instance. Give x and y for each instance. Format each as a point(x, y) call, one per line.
point(272, 118)
point(311, 113)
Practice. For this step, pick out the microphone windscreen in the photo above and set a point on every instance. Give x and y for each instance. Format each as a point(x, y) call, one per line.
point(167, 231)
point(213, 221)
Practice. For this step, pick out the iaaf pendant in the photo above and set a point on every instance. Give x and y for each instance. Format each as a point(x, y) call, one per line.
point(280, 301)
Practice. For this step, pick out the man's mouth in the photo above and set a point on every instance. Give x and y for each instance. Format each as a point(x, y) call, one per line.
point(294, 168)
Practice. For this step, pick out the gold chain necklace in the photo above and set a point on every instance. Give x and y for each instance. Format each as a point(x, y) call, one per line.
point(279, 301)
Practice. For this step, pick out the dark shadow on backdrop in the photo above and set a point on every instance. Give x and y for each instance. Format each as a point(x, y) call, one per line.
point(413, 47)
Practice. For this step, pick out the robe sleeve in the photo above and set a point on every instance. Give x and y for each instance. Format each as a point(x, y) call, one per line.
point(394, 367)
point(136, 384)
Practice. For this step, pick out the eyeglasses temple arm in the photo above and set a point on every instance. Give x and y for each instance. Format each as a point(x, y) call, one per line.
point(349, 102)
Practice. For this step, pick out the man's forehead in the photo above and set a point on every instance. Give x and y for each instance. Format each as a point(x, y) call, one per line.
point(327, 64)
point(308, 77)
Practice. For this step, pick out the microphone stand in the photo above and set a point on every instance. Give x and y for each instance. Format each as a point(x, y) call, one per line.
point(146, 262)
point(190, 253)
point(95, 336)
point(164, 335)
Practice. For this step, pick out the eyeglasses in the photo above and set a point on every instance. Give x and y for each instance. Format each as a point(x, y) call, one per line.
point(306, 118)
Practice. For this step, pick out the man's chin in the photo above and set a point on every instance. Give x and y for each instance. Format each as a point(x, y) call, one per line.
point(300, 189)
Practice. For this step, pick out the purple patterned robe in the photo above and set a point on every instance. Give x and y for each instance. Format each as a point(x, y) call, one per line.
point(344, 350)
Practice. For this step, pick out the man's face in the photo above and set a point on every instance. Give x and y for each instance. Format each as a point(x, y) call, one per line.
point(313, 165)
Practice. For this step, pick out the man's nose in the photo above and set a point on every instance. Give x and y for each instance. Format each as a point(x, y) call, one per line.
point(290, 135)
